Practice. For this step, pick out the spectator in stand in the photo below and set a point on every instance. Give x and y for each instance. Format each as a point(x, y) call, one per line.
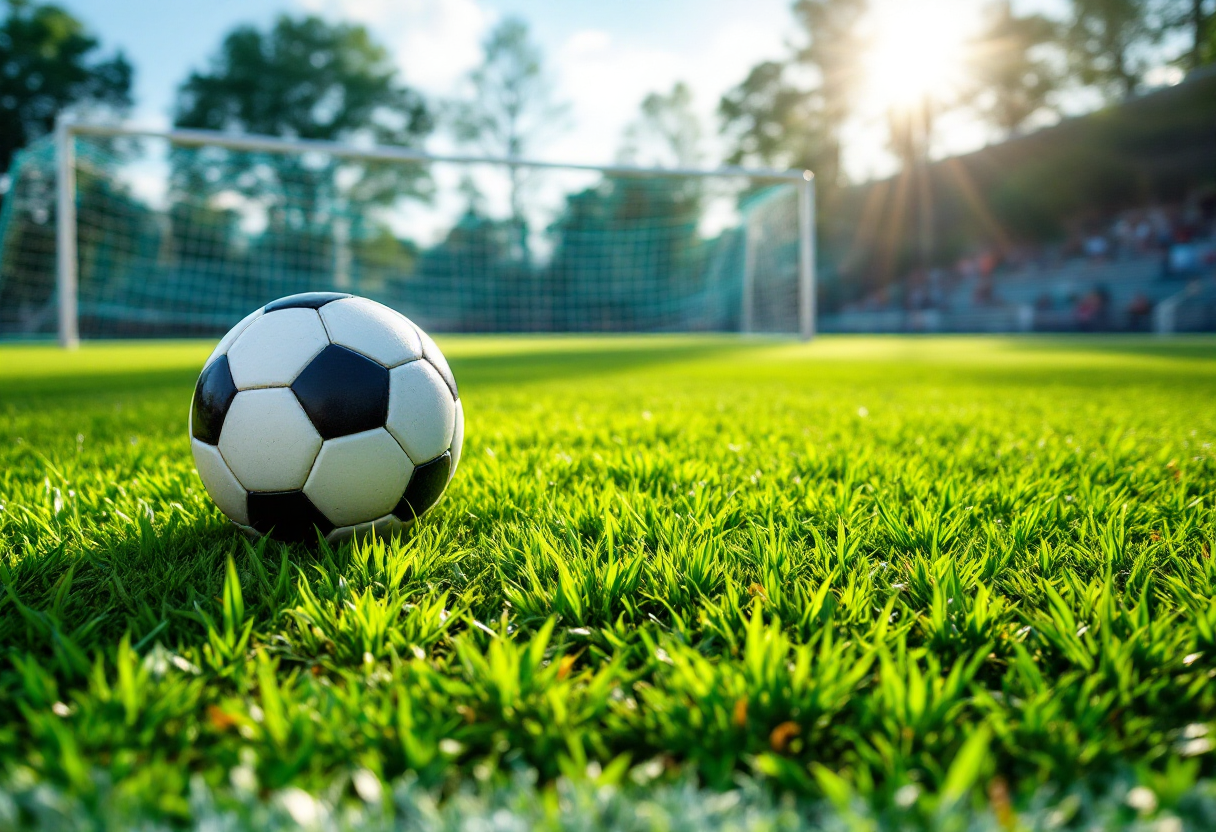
point(981, 268)
point(1085, 313)
point(1182, 235)
point(983, 295)
point(1139, 312)
point(1144, 236)
point(915, 297)
point(1097, 247)
point(1161, 227)
point(987, 263)
point(1104, 305)
point(1092, 309)
point(937, 289)
point(1125, 237)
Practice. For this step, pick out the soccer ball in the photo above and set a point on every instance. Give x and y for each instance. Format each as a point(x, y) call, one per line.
point(325, 411)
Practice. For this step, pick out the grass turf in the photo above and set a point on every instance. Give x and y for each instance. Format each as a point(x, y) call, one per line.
point(910, 572)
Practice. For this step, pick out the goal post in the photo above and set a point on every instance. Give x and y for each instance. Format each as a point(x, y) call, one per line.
point(65, 234)
point(806, 256)
point(180, 232)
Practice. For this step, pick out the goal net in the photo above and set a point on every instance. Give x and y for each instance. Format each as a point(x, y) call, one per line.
point(183, 233)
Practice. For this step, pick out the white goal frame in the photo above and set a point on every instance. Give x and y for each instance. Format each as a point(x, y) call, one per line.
point(66, 130)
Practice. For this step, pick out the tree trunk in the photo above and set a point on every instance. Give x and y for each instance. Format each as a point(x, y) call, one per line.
point(517, 215)
point(1127, 79)
point(926, 224)
point(1197, 26)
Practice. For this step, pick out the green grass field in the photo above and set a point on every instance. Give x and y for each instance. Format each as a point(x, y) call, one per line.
point(869, 582)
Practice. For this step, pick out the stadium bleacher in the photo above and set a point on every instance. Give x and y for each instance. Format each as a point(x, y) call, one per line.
point(1145, 270)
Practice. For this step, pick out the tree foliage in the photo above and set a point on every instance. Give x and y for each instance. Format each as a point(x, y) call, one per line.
point(768, 120)
point(304, 78)
point(50, 62)
point(667, 131)
point(309, 79)
point(512, 105)
point(1196, 21)
point(1108, 42)
point(1207, 47)
point(833, 43)
point(793, 109)
point(1013, 79)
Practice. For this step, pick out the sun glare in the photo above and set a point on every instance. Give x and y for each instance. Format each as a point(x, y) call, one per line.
point(916, 51)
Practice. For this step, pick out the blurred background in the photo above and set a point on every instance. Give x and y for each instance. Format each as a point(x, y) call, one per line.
point(1044, 165)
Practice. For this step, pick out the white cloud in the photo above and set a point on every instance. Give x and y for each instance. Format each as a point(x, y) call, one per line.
point(435, 41)
point(605, 81)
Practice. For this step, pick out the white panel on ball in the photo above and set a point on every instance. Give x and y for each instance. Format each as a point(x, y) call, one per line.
point(268, 440)
point(421, 412)
point(457, 438)
point(372, 329)
point(232, 334)
point(273, 350)
point(384, 527)
point(221, 483)
point(358, 478)
point(391, 524)
point(430, 351)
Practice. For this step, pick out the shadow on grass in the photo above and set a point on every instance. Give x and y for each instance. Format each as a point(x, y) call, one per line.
point(145, 581)
point(579, 359)
point(24, 390)
point(586, 358)
point(155, 584)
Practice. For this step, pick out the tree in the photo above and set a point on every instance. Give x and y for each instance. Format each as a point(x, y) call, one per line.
point(50, 63)
point(307, 79)
point(769, 121)
point(1207, 50)
point(667, 132)
point(834, 44)
point(512, 105)
point(1197, 20)
point(620, 245)
point(1109, 42)
point(304, 78)
point(1013, 78)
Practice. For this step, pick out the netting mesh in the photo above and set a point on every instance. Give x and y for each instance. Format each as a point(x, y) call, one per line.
point(176, 241)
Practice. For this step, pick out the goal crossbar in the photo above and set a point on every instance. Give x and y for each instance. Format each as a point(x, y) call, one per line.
point(68, 129)
point(393, 153)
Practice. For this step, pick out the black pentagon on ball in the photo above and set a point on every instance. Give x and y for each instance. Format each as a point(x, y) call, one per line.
point(213, 396)
point(305, 300)
point(286, 515)
point(343, 392)
point(425, 488)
